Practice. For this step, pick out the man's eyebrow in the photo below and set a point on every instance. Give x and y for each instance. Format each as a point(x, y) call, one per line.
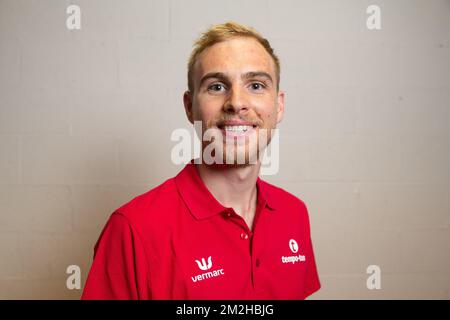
point(216, 75)
point(222, 76)
point(256, 74)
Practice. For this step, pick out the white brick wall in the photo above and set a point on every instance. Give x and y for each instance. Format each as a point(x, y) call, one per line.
point(86, 118)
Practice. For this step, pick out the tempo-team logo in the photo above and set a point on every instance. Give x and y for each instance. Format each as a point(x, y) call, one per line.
point(293, 245)
point(202, 265)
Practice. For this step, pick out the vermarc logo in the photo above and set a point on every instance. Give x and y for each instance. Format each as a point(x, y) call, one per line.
point(203, 265)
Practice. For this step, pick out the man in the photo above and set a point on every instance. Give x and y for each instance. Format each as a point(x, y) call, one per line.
point(216, 230)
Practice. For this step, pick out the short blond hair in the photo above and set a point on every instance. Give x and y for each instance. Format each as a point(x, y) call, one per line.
point(222, 32)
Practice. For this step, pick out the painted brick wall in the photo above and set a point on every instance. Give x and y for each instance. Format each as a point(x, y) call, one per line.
point(86, 117)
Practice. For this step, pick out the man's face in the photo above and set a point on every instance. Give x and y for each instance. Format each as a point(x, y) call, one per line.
point(235, 95)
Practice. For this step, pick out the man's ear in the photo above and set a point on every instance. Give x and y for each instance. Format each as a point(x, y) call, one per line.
point(187, 100)
point(280, 106)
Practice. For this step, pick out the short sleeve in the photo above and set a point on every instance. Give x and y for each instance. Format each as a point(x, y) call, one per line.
point(312, 277)
point(120, 269)
point(312, 282)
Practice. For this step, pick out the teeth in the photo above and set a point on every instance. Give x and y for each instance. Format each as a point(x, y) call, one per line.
point(238, 129)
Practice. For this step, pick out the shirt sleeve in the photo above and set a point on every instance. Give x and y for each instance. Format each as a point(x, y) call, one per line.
point(312, 276)
point(120, 269)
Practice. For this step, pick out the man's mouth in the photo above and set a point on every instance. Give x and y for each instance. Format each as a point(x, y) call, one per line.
point(237, 130)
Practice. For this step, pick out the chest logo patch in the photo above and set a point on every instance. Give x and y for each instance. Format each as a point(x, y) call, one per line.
point(293, 245)
point(204, 266)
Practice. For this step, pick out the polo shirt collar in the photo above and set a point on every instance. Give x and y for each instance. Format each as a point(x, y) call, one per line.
point(200, 201)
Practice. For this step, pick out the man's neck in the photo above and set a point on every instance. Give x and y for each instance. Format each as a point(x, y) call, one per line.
point(233, 187)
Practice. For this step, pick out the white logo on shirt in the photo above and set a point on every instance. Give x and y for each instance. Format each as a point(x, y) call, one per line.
point(206, 266)
point(203, 266)
point(293, 245)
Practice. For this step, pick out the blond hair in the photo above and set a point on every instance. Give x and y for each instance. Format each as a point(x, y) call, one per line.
point(222, 32)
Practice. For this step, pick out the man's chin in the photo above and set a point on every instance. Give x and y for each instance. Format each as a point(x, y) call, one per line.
point(232, 160)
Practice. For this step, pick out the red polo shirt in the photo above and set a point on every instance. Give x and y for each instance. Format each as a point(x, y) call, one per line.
point(178, 242)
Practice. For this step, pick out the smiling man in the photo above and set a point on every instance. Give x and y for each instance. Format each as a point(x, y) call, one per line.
point(216, 230)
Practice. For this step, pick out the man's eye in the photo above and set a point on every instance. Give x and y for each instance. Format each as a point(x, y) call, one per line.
point(257, 86)
point(216, 87)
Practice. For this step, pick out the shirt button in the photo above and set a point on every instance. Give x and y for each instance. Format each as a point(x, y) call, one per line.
point(244, 236)
point(228, 214)
point(258, 263)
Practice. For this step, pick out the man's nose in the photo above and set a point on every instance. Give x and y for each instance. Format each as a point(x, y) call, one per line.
point(236, 101)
